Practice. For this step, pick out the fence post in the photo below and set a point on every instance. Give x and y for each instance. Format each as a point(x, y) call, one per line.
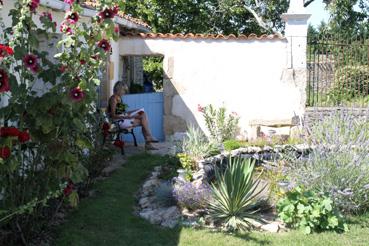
point(296, 34)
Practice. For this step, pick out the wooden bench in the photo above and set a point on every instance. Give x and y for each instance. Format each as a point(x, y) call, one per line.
point(116, 133)
point(256, 124)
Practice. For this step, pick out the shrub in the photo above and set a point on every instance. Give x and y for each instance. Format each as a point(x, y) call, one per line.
point(338, 166)
point(192, 197)
point(350, 82)
point(233, 144)
point(196, 144)
point(164, 194)
point(188, 164)
point(220, 126)
point(309, 212)
point(234, 196)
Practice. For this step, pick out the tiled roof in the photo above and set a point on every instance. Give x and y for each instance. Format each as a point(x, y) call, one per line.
point(91, 4)
point(203, 36)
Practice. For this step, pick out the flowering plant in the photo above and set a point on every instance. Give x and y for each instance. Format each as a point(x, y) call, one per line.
point(220, 126)
point(43, 133)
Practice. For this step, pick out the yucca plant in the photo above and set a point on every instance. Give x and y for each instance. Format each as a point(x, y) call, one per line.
point(234, 202)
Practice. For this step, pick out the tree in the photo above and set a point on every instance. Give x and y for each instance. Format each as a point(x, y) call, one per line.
point(210, 16)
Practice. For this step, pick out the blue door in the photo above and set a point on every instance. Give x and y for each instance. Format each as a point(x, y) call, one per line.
point(154, 108)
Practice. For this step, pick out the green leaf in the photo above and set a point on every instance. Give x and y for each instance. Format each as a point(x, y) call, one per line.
point(73, 199)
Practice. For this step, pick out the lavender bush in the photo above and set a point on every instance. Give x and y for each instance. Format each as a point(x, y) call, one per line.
point(191, 196)
point(339, 165)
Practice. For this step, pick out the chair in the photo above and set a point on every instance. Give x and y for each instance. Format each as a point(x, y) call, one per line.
point(115, 132)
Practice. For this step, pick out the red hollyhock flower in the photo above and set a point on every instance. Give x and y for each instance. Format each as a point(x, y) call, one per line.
point(116, 28)
point(82, 62)
point(68, 189)
point(104, 44)
point(23, 137)
point(107, 14)
point(9, 132)
point(4, 152)
point(62, 68)
point(72, 17)
point(33, 5)
point(4, 81)
point(105, 128)
point(5, 51)
point(30, 61)
point(77, 94)
point(119, 143)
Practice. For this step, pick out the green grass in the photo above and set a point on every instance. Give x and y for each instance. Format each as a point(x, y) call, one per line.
point(108, 219)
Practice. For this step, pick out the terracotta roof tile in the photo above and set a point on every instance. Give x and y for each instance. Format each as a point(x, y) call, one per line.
point(92, 4)
point(203, 36)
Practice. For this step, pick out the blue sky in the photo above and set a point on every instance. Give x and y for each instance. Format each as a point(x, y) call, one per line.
point(318, 13)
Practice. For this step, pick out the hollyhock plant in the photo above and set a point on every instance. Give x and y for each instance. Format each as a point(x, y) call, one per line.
point(77, 94)
point(4, 81)
point(30, 61)
point(5, 51)
point(72, 17)
point(24, 137)
point(4, 152)
point(104, 44)
point(9, 132)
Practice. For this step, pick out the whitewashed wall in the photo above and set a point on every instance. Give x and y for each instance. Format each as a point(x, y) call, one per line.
point(243, 75)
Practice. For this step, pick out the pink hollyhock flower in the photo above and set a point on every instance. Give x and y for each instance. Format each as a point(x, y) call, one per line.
point(30, 61)
point(33, 5)
point(234, 113)
point(4, 81)
point(47, 15)
point(70, 2)
point(104, 44)
point(72, 17)
point(77, 94)
point(4, 152)
point(65, 28)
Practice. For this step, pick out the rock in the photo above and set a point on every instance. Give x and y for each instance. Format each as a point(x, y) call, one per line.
point(146, 214)
point(144, 202)
point(171, 213)
point(150, 182)
point(199, 174)
point(272, 227)
point(267, 148)
point(169, 223)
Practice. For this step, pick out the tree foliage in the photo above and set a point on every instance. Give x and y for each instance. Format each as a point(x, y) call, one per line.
point(209, 16)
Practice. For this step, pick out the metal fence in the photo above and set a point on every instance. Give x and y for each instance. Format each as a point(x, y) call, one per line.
point(338, 71)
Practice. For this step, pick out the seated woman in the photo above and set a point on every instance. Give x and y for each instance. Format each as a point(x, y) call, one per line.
point(138, 117)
